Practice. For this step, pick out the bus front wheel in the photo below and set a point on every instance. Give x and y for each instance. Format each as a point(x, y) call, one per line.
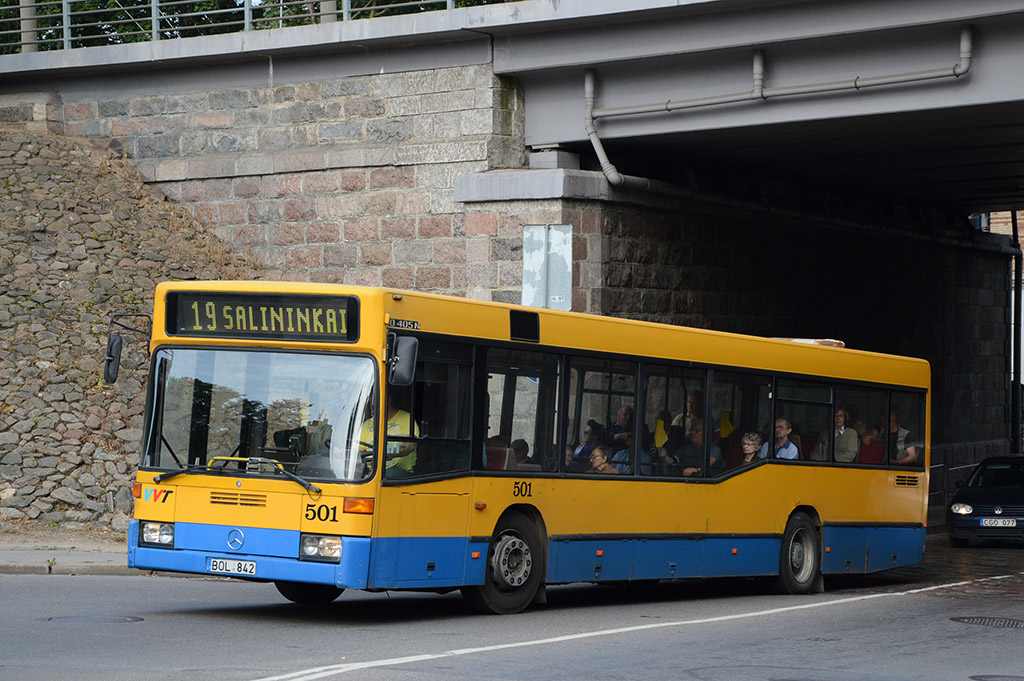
point(800, 558)
point(514, 571)
point(308, 594)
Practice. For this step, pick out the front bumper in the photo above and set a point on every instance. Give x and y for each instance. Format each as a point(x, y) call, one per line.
point(275, 553)
point(971, 527)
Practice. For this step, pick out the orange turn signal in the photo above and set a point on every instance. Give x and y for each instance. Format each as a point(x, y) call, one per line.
point(137, 490)
point(479, 505)
point(599, 552)
point(358, 505)
point(475, 554)
point(735, 551)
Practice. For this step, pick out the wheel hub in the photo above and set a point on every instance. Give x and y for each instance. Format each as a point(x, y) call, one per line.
point(511, 562)
point(796, 555)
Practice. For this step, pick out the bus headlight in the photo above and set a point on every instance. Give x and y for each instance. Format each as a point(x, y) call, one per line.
point(320, 547)
point(158, 534)
point(961, 509)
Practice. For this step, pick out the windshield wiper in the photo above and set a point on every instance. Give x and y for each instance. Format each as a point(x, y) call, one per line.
point(186, 469)
point(306, 484)
point(250, 463)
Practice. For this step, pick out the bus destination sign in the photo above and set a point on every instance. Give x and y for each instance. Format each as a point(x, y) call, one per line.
point(331, 319)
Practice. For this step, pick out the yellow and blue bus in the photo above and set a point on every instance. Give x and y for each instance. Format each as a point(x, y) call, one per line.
point(326, 437)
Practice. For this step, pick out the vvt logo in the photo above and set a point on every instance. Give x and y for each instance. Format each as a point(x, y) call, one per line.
point(156, 495)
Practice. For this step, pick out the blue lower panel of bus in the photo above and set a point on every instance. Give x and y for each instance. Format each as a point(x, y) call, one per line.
point(860, 549)
point(643, 558)
point(444, 562)
point(426, 562)
point(274, 553)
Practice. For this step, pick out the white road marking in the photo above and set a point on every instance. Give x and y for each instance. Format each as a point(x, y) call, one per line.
point(336, 669)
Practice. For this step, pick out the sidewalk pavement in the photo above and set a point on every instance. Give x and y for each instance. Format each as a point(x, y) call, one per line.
point(32, 549)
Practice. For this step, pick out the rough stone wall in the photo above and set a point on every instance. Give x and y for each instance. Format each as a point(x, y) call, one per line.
point(346, 181)
point(81, 237)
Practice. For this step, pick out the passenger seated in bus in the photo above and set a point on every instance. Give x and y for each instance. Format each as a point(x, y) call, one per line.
point(694, 410)
point(521, 450)
point(847, 441)
point(691, 455)
point(751, 444)
point(623, 427)
point(900, 453)
point(593, 436)
point(872, 449)
point(495, 453)
point(521, 458)
point(400, 457)
point(599, 461)
point(784, 449)
point(622, 460)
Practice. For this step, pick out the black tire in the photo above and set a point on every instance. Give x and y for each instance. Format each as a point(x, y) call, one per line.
point(800, 557)
point(958, 542)
point(514, 571)
point(308, 594)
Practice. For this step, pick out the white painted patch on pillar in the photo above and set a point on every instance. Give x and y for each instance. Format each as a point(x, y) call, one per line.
point(547, 266)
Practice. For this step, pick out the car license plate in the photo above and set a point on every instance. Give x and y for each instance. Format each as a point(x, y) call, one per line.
point(232, 567)
point(999, 522)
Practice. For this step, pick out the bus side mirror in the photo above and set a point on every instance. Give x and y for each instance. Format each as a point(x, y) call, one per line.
point(112, 362)
point(403, 360)
point(113, 359)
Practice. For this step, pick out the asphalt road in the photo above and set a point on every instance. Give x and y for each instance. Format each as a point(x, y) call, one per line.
point(924, 622)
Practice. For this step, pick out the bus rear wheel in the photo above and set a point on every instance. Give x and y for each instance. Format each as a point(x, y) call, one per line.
point(514, 571)
point(800, 558)
point(308, 594)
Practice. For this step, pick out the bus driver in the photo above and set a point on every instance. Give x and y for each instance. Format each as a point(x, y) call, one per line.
point(400, 456)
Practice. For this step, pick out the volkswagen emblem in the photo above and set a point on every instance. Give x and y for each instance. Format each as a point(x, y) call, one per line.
point(999, 510)
point(235, 539)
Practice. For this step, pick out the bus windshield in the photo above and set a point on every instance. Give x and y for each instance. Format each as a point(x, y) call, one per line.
point(233, 408)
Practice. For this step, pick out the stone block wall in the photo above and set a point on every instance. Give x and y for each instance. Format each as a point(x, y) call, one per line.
point(82, 238)
point(33, 112)
point(337, 181)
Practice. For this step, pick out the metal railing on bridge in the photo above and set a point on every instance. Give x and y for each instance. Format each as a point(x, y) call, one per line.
point(39, 25)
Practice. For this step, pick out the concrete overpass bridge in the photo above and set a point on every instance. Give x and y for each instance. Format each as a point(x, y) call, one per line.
point(779, 168)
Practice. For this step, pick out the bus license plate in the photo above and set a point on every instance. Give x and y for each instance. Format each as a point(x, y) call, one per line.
point(999, 522)
point(232, 567)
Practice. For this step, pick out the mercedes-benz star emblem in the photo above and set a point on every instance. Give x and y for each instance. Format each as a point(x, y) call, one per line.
point(235, 539)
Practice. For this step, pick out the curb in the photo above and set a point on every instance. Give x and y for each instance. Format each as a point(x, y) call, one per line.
point(67, 570)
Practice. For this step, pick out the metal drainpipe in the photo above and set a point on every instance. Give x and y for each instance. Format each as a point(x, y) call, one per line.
point(614, 177)
point(1015, 415)
point(759, 91)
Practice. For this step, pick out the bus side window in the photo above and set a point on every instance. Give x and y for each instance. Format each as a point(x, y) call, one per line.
point(675, 401)
point(522, 399)
point(740, 407)
point(905, 443)
point(861, 409)
point(607, 387)
point(807, 405)
point(439, 400)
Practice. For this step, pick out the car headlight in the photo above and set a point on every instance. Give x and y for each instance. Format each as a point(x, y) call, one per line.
point(961, 509)
point(158, 534)
point(320, 547)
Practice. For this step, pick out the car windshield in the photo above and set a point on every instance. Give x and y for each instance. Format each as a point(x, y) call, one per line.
point(998, 474)
point(235, 409)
